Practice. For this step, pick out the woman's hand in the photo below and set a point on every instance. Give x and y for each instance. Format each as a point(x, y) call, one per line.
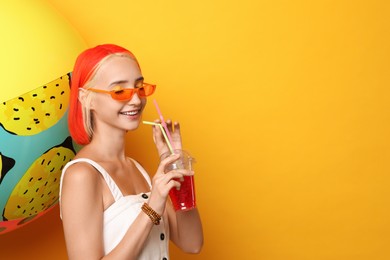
point(159, 140)
point(163, 182)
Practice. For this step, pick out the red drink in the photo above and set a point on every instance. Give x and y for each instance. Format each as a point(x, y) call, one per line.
point(184, 197)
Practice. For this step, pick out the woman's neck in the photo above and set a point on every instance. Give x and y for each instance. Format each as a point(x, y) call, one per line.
point(110, 148)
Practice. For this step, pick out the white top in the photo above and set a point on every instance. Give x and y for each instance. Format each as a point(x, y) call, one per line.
point(122, 213)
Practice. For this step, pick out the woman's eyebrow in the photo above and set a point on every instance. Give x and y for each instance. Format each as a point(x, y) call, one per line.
point(118, 82)
point(139, 79)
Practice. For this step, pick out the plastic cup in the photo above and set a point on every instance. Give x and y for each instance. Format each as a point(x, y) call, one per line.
point(182, 198)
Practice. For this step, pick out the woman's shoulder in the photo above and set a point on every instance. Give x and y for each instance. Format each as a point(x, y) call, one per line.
point(81, 170)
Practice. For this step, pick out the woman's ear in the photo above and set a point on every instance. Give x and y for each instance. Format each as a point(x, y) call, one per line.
point(84, 98)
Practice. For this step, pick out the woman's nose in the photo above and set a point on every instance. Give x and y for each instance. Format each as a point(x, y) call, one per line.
point(135, 99)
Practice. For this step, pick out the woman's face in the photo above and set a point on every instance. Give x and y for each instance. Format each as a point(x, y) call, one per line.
point(107, 112)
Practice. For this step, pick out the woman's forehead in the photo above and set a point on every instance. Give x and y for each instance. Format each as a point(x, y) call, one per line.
point(119, 68)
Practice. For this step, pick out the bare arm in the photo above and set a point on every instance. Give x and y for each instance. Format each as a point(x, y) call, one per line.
point(185, 226)
point(186, 229)
point(82, 208)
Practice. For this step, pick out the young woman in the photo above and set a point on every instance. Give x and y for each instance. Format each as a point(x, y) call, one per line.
point(110, 208)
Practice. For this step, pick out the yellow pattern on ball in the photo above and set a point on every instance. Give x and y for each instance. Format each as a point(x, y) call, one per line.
point(37, 110)
point(38, 189)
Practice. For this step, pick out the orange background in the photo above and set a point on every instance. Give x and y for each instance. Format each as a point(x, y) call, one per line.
point(285, 105)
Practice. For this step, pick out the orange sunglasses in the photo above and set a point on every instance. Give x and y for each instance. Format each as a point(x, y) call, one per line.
point(125, 94)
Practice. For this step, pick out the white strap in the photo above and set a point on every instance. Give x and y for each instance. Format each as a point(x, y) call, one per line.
point(143, 171)
point(116, 193)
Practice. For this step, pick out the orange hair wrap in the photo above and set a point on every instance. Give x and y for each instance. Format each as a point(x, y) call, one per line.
point(83, 69)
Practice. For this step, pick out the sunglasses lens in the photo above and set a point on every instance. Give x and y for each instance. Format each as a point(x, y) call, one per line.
point(123, 94)
point(126, 94)
point(146, 90)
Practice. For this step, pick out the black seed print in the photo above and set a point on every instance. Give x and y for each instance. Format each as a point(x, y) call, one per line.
point(4, 103)
point(64, 158)
point(16, 110)
point(40, 178)
point(31, 200)
point(52, 97)
point(55, 179)
point(42, 161)
point(44, 86)
point(33, 108)
point(58, 154)
point(57, 85)
point(37, 122)
point(18, 206)
point(62, 167)
point(46, 183)
point(49, 193)
point(62, 92)
point(36, 119)
point(31, 179)
point(25, 192)
point(32, 208)
point(34, 95)
point(60, 106)
point(37, 190)
point(20, 98)
point(24, 211)
point(42, 101)
point(28, 128)
point(49, 163)
point(52, 170)
point(16, 118)
point(47, 114)
point(42, 195)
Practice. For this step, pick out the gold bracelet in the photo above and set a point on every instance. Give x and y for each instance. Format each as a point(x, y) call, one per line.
point(153, 215)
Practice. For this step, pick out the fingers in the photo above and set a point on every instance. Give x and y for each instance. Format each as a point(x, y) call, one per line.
point(179, 173)
point(173, 179)
point(169, 125)
point(173, 126)
point(163, 182)
point(157, 134)
point(174, 129)
point(164, 162)
point(159, 139)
